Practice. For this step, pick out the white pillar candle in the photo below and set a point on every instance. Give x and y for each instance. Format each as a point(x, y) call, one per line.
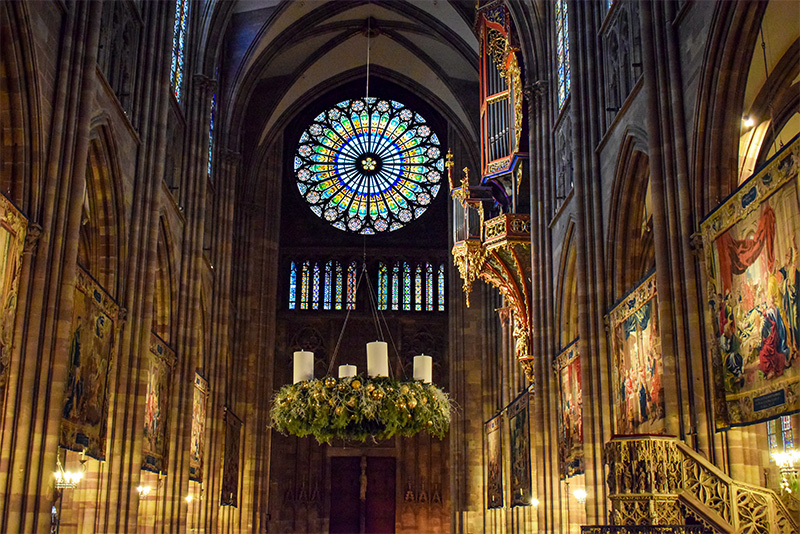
point(347, 370)
point(303, 366)
point(377, 359)
point(423, 368)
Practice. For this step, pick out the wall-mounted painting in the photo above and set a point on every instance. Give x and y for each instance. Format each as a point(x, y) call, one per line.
point(13, 227)
point(198, 428)
point(753, 275)
point(160, 361)
point(91, 349)
point(520, 444)
point(494, 463)
point(637, 366)
point(570, 421)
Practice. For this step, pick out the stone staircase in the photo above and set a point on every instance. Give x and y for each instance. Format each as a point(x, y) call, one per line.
point(658, 480)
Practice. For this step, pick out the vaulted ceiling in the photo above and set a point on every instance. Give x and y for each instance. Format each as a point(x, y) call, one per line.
point(279, 54)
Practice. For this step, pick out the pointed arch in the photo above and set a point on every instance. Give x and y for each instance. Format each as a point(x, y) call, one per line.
point(164, 296)
point(631, 252)
point(20, 143)
point(567, 290)
point(102, 225)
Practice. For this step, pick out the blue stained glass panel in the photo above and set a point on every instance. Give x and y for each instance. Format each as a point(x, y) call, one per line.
point(396, 287)
point(562, 52)
point(339, 284)
point(418, 289)
point(328, 283)
point(305, 276)
point(383, 286)
point(315, 288)
point(178, 45)
point(441, 287)
point(211, 133)
point(351, 286)
point(428, 287)
point(292, 285)
point(406, 287)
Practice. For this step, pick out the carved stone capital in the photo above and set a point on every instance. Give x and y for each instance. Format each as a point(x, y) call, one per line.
point(32, 239)
point(204, 83)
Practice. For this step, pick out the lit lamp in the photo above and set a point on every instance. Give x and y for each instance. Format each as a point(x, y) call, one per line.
point(787, 463)
point(580, 495)
point(143, 491)
point(68, 479)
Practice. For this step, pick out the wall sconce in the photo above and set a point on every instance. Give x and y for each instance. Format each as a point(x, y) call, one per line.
point(189, 499)
point(68, 479)
point(747, 121)
point(534, 502)
point(580, 495)
point(144, 491)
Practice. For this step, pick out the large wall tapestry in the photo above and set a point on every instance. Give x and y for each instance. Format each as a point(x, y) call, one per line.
point(198, 428)
point(570, 422)
point(91, 348)
point(494, 453)
point(160, 362)
point(13, 227)
point(230, 460)
point(751, 245)
point(519, 439)
point(636, 362)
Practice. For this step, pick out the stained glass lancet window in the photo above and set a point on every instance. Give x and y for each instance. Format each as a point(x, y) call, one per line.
point(368, 165)
point(178, 46)
point(339, 298)
point(779, 434)
point(441, 287)
point(406, 287)
point(328, 282)
point(396, 287)
point(305, 276)
point(383, 286)
point(428, 287)
point(211, 133)
point(351, 286)
point(418, 289)
point(292, 285)
point(562, 52)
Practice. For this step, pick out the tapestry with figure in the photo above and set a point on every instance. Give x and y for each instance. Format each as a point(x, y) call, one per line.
point(494, 463)
point(230, 460)
point(198, 428)
point(753, 273)
point(160, 361)
point(519, 440)
point(91, 349)
point(570, 420)
point(637, 366)
point(13, 227)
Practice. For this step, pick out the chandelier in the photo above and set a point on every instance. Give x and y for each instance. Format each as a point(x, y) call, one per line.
point(355, 407)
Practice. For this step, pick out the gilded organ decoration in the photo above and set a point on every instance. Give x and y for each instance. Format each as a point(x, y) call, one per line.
point(753, 272)
point(13, 228)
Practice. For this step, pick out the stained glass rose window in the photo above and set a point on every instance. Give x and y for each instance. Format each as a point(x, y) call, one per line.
point(368, 165)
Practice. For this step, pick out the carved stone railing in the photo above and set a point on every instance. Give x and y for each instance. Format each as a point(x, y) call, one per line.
point(645, 529)
point(658, 480)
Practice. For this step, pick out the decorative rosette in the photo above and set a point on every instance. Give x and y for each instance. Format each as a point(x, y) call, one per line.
point(368, 165)
point(358, 408)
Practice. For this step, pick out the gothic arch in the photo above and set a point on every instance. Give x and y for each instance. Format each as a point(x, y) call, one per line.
point(165, 281)
point(631, 253)
point(567, 290)
point(20, 146)
point(733, 35)
point(101, 248)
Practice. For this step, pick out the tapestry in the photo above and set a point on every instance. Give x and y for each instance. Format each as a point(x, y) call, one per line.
point(519, 439)
point(494, 451)
point(91, 348)
point(13, 227)
point(637, 365)
point(570, 421)
point(198, 428)
point(753, 275)
point(160, 361)
point(230, 459)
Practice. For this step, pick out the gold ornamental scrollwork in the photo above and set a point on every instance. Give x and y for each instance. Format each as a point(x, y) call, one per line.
point(469, 257)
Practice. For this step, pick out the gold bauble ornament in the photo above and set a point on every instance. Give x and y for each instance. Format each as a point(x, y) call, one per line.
point(330, 382)
point(339, 410)
point(424, 400)
point(342, 387)
point(356, 384)
point(412, 403)
point(404, 389)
